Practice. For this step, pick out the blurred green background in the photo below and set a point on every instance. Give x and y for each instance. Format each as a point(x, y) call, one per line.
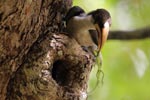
point(126, 64)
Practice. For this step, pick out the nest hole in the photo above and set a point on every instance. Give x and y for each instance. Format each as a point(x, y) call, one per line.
point(61, 72)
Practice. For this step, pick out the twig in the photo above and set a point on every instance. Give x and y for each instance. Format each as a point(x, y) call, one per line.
point(130, 35)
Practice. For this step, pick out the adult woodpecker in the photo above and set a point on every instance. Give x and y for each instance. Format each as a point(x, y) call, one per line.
point(90, 31)
point(81, 26)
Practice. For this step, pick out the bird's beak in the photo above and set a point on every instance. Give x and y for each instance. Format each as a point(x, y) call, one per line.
point(102, 34)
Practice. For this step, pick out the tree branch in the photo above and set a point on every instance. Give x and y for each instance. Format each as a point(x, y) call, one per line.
point(130, 35)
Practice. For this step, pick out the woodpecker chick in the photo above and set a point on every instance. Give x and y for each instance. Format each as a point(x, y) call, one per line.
point(79, 26)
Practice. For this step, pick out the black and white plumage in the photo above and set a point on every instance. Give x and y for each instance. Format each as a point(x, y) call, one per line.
point(82, 26)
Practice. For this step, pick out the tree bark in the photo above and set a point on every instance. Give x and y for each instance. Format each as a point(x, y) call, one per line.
point(37, 60)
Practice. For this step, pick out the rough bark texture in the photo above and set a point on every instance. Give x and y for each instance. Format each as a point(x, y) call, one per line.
point(37, 61)
point(54, 69)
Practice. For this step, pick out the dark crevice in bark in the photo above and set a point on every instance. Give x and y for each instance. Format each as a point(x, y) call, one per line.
point(60, 72)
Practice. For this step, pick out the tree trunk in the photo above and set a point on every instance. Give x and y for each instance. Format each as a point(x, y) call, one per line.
point(37, 60)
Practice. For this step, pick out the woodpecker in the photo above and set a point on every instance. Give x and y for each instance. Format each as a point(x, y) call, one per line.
point(82, 26)
point(90, 31)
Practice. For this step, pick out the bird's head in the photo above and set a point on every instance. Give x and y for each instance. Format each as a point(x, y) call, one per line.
point(102, 22)
point(74, 11)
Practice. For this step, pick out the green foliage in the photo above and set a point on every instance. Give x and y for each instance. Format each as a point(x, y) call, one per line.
point(126, 64)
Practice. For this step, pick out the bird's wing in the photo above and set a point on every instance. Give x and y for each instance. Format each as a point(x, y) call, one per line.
point(74, 11)
point(94, 36)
